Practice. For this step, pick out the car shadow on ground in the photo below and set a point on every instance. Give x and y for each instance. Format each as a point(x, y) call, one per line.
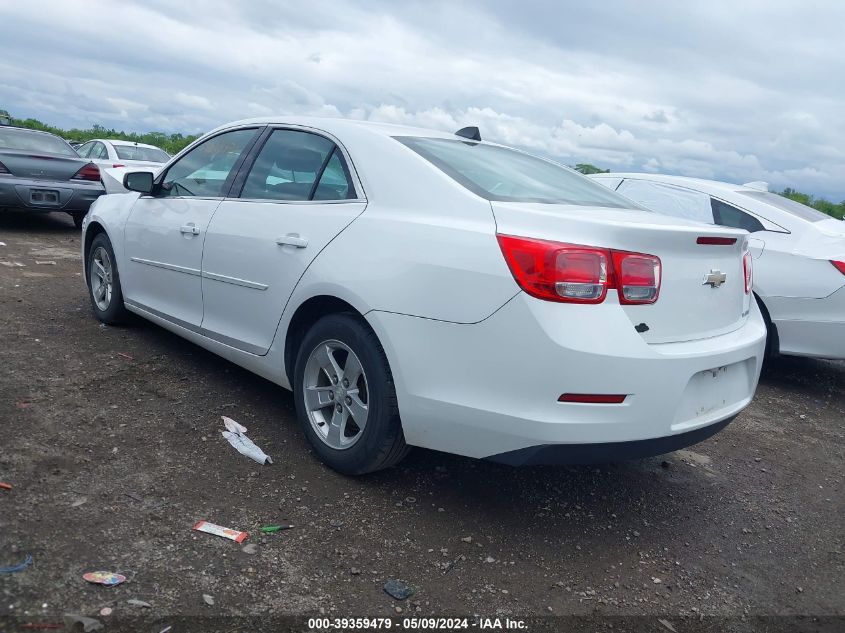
point(807, 376)
point(21, 221)
point(533, 498)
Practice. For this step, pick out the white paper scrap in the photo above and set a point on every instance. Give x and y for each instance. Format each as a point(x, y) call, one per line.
point(245, 446)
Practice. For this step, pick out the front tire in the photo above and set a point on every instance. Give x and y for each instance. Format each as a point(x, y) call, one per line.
point(104, 282)
point(345, 398)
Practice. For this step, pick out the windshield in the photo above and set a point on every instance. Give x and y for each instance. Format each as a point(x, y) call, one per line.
point(790, 206)
point(31, 141)
point(504, 174)
point(148, 154)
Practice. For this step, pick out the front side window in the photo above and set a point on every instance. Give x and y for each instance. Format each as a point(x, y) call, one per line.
point(728, 215)
point(504, 174)
point(669, 200)
point(297, 166)
point(205, 169)
point(31, 141)
point(99, 152)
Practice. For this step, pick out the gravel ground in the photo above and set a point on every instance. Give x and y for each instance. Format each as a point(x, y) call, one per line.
point(111, 439)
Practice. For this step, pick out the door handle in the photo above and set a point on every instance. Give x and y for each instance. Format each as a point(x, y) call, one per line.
point(292, 239)
point(189, 229)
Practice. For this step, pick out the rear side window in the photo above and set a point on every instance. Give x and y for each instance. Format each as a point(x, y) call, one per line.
point(148, 154)
point(99, 152)
point(669, 200)
point(298, 166)
point(85, 149)
point(30, 141)
point(504, 174)
point(728, 215)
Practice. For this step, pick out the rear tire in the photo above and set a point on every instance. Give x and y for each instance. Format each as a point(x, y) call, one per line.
point(772, 341)
point(345, 397)
point(103, 282)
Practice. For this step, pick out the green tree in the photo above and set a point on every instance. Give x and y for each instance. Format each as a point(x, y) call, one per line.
point(587, 168)
point(170, 143)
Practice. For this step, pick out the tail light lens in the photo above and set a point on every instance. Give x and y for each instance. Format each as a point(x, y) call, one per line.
point(116, 165)
point(747, 269)
point(637, 277)
point(89, 172)
point(570, 273)
point(840, 266)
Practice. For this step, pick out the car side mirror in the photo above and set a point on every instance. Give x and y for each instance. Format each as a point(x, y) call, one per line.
point(140, 181)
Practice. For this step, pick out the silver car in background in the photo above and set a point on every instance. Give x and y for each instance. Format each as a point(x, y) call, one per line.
point(41, 173)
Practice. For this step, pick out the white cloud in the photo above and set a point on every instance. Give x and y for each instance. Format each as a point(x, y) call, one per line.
point(744, 92)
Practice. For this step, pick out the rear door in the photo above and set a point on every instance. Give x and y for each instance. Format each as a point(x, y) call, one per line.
point(295, 197)
point(165, 231)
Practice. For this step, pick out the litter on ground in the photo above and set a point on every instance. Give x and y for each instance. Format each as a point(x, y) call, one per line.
point(236, 434)
point(107, 578)
point(219, 530)
point(19, 567)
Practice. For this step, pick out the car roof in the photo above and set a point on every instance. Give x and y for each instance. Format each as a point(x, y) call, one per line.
point(339, 126)
point(682, 181)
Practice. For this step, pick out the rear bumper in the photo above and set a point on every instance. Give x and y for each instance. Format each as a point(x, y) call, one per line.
point(491, 388)
point(44, 195)
point(606, 452)
point(810, 327)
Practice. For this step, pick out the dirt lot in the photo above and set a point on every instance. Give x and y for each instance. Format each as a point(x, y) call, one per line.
point(111, 439)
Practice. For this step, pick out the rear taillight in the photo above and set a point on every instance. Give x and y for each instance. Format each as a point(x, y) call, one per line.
point(747, 269)
point(89, 172)
point(570, 273)
point(3, 169)
point(637, 277)
point(840, 266)
point(116, 165)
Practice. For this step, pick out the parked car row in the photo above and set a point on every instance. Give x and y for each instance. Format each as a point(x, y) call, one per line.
point(43, 173)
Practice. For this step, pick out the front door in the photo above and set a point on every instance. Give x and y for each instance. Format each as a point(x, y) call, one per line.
point(165, 231)
point(297, 196)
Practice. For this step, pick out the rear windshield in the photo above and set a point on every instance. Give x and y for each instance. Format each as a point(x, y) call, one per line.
point(508, 175)
point(148, 154)
point(30, 141)
point(790, 206)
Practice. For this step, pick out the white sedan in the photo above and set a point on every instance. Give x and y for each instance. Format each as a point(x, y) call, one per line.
point(115, 158)
point(422, 288)
point(799, 253)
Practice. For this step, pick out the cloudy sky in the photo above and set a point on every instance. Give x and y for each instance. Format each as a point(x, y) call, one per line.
point(740, 91)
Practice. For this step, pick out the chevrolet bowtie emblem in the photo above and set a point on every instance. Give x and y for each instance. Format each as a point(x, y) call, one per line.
point(714, 278)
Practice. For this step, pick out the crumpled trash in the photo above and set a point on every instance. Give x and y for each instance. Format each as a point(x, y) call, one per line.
point(88, 624)
point(139, 603)
point(236, 434)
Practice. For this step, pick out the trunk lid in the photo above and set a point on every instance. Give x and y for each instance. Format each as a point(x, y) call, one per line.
point(41, 165)
point(687, 307)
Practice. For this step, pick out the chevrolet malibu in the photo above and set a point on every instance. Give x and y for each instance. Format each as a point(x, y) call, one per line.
point(418, 288)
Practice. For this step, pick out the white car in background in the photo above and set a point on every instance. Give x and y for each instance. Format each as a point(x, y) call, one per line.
point(420, 288)
point(116, 157)
point(799, 253)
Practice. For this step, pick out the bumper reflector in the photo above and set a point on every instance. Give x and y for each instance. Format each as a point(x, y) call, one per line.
point(593, 398)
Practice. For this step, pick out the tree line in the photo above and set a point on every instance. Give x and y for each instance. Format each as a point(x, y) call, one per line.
point(170, 143)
